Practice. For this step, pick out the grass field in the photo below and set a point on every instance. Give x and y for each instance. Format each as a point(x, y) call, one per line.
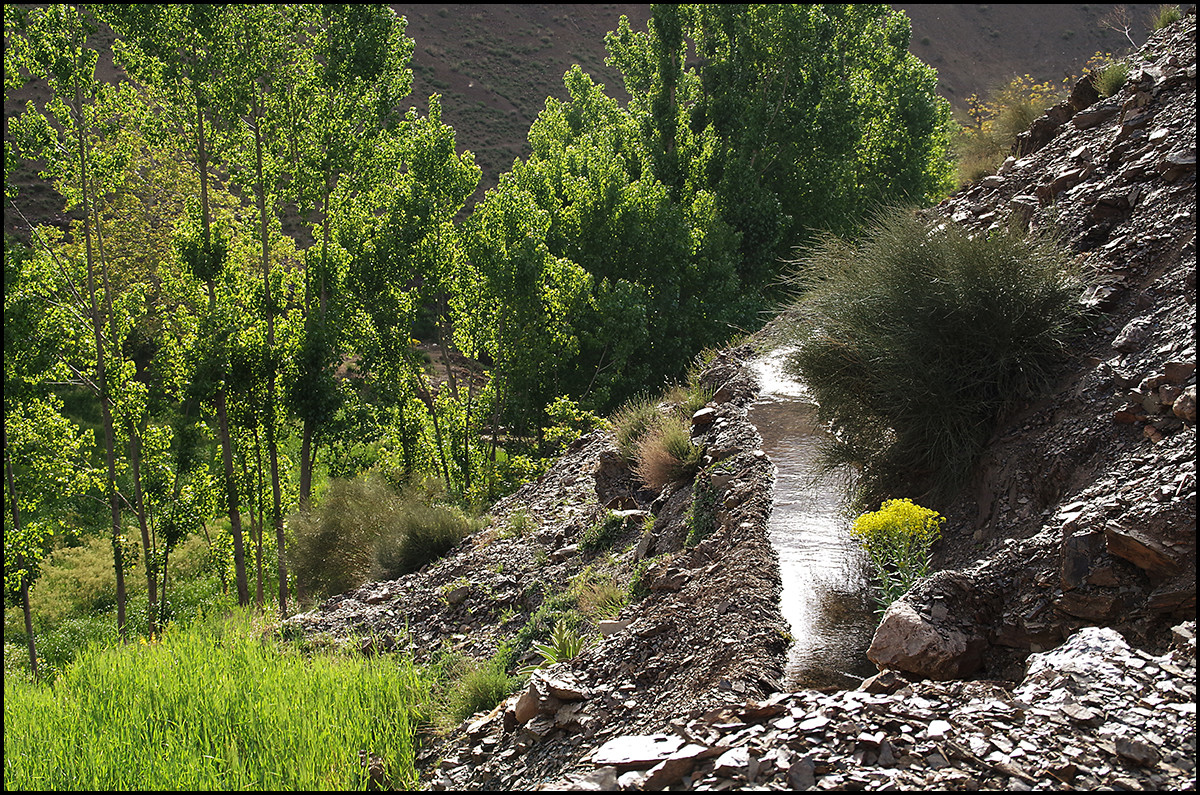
point(217, 706)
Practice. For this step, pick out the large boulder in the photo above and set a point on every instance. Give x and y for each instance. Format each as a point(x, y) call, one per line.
point(909, 642)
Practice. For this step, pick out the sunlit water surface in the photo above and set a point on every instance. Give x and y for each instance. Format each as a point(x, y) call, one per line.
point(825, 596)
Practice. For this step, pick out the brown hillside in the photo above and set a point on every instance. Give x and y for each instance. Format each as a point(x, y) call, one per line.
point(496, 64)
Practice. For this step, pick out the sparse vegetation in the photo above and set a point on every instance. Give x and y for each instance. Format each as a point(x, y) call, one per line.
point(599, 595)
point(702, 516)
point(602, 533)
point(1165, 15)
point(994, 124)
point(631, 423)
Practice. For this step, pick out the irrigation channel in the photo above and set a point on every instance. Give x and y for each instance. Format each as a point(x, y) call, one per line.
point(825, 595)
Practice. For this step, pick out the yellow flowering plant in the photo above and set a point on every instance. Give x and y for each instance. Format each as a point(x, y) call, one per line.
point(898, 538)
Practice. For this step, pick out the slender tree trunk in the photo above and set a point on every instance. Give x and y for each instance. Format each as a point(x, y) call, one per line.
point(231, 490)
point(268, 302)
point(101, 366)
point(16, 519)
point(139, 504)
point(258, 523)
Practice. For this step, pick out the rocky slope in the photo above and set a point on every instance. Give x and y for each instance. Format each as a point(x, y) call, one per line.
point(1066, 575)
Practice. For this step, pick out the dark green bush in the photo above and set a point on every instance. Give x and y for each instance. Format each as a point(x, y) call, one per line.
point(364, 529)
point(916, 339)
point(423, 533)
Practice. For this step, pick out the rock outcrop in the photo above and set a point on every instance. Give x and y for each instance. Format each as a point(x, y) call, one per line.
point(1084, 507)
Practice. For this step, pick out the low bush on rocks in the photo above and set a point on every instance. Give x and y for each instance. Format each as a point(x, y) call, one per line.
point(603, 533)
point(666, 454)
point(916, 339)
point(364, 529)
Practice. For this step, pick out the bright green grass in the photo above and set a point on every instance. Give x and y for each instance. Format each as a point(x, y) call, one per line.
point(213, 707)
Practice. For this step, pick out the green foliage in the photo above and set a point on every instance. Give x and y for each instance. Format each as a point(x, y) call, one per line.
point(599, 595)
point(995, 122)
point(555, 610)
point(631, 422)
point(424, 534)
point(638, 589)
point(478, 686)
point(1165, 15)
point(702, 515)
point(567, 422)
point(603, 533)
point(565, 644)
point(914, 340)
point(213, 707)
point(363, 528)
point(1109, 76)
point(897, 538)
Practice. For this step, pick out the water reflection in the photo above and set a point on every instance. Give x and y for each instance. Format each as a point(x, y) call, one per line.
point(825, 596)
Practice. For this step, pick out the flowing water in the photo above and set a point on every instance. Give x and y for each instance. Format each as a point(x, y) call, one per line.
point(825, 596)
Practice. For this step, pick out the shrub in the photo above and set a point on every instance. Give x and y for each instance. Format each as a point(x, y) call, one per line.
point(897, 538)
point(332, 550)
point(480, 688)
point(995, 123)
point(599, 596)
point(363, 528)
point(915, 340)
point(602, 533)
point(1165, 15)
point(666, 453)
point(568, 422)
point(1108, 78)
point(555, 610)
point(631, 423)
point(423, 533)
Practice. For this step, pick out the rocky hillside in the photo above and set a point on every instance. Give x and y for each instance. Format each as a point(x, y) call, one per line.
point(1053, 650)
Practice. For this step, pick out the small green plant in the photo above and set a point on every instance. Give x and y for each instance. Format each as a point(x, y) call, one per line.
point(555, 609)
point(519, 525)
point(1108, 77)
point(1165, 15)
point(480, 688)
point(897, 538)
point(702, 515)
point(599, 596)
point(567, 423)
point(602, 533)
point(638, 590)
point(565, 644)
